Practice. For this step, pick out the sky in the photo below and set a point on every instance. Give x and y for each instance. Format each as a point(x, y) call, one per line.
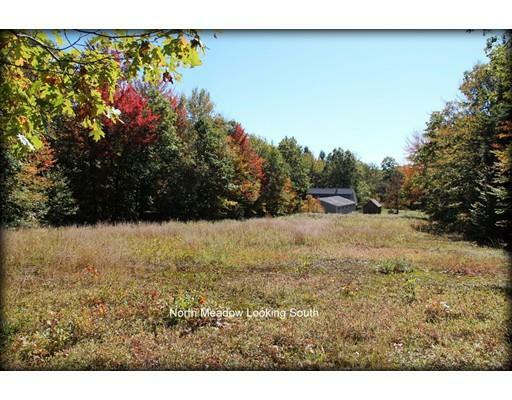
point(365, 91)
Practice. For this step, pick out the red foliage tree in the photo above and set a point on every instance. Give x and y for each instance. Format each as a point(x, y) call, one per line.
point(412, 192)
point(248, 163)
point(254, 161)
point(138, 124)
point(182, 121)
point(111, 177)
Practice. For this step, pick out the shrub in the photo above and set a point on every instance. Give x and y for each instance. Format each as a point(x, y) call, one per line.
point(408, 293)
point(183, 303)
point(394, 266)
point(311, 205)
point(44, 343)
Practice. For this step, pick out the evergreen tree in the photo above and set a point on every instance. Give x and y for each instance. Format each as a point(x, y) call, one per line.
point(62, 206)
point(208, 189)
point(463, 161)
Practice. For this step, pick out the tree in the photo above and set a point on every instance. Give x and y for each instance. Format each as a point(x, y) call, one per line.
point(393, 190)
point(62, 205)
point(199, 105)
point(464, 157)
point(26, 197)
point(75, 73)
point(314, 167)
point(34, 191)
point(450, 163)
point(166, 155)
point(115, 179)
point(500, 56)
point(293, 156)
point(340, 169)
point(249, 175)
point(368, 181)
point(412, 192)
point(388, 166)
point(311, 205)
point(277, 196)
point(207, 190)
point(9, 167)
point(183, 124)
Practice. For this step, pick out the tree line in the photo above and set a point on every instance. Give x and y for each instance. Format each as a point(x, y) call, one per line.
point(171, 157)
point(460, 166)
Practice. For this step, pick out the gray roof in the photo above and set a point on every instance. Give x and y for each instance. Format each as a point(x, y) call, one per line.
point(325, 192)
point(374, 202)
point(337, 201)
point(332, 191)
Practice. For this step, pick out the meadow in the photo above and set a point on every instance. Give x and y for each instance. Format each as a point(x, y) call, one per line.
point(387, 295)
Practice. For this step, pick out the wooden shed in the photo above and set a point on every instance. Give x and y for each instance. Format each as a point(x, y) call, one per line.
point(337, 205)
point(372, 206)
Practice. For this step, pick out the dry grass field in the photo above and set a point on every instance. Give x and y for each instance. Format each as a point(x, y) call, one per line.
point(388, 296)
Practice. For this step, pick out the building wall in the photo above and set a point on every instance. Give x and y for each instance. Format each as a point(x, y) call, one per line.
point(370, 208)
point(347, 209)
point(331, 209)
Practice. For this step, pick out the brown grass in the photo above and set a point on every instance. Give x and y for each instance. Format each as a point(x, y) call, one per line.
point(99, 297)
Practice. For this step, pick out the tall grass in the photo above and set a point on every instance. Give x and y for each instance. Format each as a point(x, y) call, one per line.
point(388, 296)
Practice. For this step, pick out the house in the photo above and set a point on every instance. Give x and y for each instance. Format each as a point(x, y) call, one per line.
point(347, 193)
point(372, 206)
point(337, 204)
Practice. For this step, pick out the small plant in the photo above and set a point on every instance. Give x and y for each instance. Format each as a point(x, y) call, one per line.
point(394, 266)
point(52, 339)
point(303, 265)
point(315, 355)
point(409, 291)
point(182, 308)
point(186, 310)
point(436, 311)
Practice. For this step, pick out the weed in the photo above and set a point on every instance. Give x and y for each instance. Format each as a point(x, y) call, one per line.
point(303, 265)
point(55, 337)
point(409, 290)
point(394, 266)
point(182, 308)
